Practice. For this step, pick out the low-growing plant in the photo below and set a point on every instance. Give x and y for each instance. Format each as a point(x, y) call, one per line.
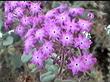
point(56, 41)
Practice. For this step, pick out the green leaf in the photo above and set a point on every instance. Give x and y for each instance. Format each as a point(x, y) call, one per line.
point(15, 36)
point(8, 41)
point(48, 78)
point(1, 2)
point(79, 4)
point(45, 74)
point(31, 66)
point(92, 74)
point(58, 80)
point(15, 61)
point(1, 23)
point(69, 81)
point(34, 69)
point(47, 66)
point(49, 62)
point(53, 68)
point(26, 58)
point(55, 4)
point(50, 67)
point(11, 50)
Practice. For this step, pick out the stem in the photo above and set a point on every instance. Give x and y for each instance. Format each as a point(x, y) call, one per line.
point(26, 69)
point(62, 62)
point(38, 76)
point(56, 59)
point(61, 65)
point(79, 51)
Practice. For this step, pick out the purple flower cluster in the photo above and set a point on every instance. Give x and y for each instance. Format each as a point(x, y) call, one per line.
point(41, 30)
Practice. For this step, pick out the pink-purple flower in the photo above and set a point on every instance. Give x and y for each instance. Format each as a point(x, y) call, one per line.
point(63, 17)
point(25, 20)
point(7, 7)
point(37, 58)
point(82, 63)
point(67, 39)
point(76, 65)
point(29, 43)
point(90, 16)
point(24, 4)
point(89, 61)
point(82, 42)
point(30, 32)
point(51, 13)
point(72, 26)
point(54, 31)
point(85, 25)
point(76, 11)
point(10, 17)
point(18, 11)
point(47, 48)
point(40, 34)
point(63, 8)
point(20, 30)
point(13, 4)
point(35, 8)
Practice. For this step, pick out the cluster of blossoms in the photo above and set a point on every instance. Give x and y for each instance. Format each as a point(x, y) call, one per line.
point(46, 32)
